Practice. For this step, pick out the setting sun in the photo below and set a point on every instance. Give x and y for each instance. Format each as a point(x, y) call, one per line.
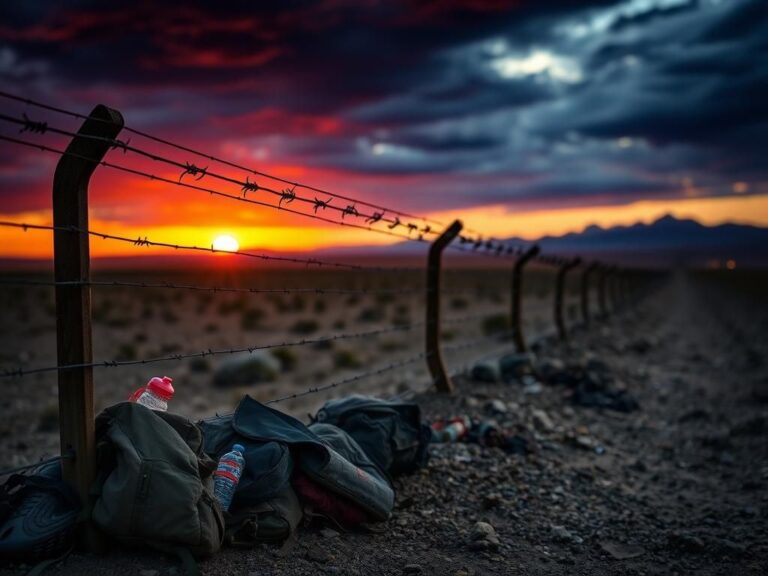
point(225, 243)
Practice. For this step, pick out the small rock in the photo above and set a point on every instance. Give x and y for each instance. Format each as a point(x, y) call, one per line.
point(491, 500)
point(412, 569)
point(246, 368)
point(481, 530)
point(329, 533)
point(621, 551)
point(532, 387)
point(542, 421)
point(562, 534)
point(487, 371)
point(512, 366)
point(496, 407)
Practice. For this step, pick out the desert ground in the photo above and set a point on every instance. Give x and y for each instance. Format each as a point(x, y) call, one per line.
point(678, 486)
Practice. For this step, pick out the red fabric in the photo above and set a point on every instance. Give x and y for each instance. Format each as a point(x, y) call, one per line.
point(327, 503)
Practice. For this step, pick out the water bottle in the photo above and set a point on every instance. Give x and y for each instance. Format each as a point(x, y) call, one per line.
point(227, 475)
point(155, 394)
point(456, 429)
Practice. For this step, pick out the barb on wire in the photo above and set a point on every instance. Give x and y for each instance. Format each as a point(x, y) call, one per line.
point(249, 186)
point(193, 171)
point(394, 224)
point(288, 194)
point(32, 126)
point(321, 204)
point(350, 210)
point(375, 217)
point(120, 145)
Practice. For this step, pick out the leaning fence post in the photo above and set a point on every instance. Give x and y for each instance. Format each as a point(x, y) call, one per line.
point(517, 296)
point(73, 302)
point(434, 357)
point(585, 291)
point(559, 291)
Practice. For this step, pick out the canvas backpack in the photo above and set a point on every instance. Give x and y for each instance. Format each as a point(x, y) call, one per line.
point(391, 433)
point(155, 483)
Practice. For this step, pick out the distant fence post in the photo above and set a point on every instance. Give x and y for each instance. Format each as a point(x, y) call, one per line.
point(517, 296)
point(73, 302)
point(559, 293)
point(585, 291)
point(434, 268)
point(603, 273)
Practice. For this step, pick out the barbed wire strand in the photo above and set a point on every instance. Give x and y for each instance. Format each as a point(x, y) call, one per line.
point(159, 140)
point(145, 241)
point(228, 289)
point(18, 372)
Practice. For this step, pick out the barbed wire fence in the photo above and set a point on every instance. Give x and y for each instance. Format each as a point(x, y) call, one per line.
point(72, 282)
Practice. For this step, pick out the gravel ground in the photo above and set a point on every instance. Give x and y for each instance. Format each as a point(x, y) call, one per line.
point(676, 487)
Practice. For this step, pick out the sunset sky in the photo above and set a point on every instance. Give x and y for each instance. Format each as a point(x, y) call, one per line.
point(522, 118)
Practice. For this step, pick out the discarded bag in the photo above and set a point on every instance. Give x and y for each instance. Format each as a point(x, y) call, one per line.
point(276, 443)
point(272, 521)
point(391, 433)
point(155, 484)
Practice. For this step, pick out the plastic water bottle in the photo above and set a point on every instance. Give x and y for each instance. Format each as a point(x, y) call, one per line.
point(227, 475)
point(155, 394)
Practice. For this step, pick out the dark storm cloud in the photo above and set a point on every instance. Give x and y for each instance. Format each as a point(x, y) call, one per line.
point(566, 98)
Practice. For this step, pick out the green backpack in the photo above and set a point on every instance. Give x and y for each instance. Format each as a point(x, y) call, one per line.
point(155, 484)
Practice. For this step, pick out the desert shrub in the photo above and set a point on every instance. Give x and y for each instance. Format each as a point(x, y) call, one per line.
point(287, 357)
point(459, 303)
point(169, 316)
point(346, 359)
point(251, 318)
point(147, 312)
point(370, 315)
point(402, 309)
point(353, 300)
point(305, 326)
point(298, 303)
point(495, 323)
point(398, 320)
point(384, 298)
point(170, 348)
point(139, 337)
point(339, 325)
point(448, 335)
point(199, 364)
point(320, 306)
point(211, 327)
point(387, 346)
point(126, 351)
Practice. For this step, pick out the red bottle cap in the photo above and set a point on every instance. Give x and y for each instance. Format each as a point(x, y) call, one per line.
point(161, 387)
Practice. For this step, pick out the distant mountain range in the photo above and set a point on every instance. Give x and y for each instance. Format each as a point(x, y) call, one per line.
point(667, 241)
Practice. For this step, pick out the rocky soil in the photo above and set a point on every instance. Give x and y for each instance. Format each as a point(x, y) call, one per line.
point(678, 486)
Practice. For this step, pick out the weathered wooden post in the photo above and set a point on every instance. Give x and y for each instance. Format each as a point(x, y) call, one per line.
point(73, 302)
point(602, 275)
point(517, 297)
point(434, 263)
point(585, 291)
point(559, 292)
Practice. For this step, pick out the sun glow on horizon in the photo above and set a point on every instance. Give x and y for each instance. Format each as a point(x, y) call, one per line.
point(226, 243)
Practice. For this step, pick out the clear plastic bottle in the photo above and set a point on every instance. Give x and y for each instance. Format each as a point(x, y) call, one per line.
point(227, 475)
point(156, 393)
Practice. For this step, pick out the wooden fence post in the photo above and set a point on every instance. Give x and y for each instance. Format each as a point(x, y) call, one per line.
point(434, 357)
point(73, 302)
point(559, 292)
point(603, 273)
point(517, 296)
point(585, 291)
